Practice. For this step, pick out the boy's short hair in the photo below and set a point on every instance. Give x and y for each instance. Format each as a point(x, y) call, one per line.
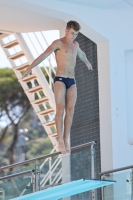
point(73, 24)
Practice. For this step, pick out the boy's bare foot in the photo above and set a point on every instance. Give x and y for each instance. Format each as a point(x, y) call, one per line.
point(67, 146)
point(61, 146)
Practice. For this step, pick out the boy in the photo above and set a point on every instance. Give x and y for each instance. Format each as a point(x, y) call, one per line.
point(65, 90)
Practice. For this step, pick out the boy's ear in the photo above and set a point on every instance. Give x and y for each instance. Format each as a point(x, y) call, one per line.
point(66, 30)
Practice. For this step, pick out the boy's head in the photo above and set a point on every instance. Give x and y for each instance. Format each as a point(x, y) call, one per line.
point(72, 30)
point(74, 25)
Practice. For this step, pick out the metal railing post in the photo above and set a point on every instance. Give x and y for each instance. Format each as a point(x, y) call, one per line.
point(36, 176)
point(132, 184)
point(102, 177)
point(93, 193)
point(50, 168)
point(33, 181)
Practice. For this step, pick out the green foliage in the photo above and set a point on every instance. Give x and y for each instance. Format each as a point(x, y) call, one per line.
point(12, 96)
point(38, 144)
point(10, 89)
point(38, 147)
point(45, 73)
point(14, 102)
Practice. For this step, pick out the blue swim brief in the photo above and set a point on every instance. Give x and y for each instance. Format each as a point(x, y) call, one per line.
point(67, 81)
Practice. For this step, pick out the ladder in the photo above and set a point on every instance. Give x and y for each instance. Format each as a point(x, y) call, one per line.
point(36, 86)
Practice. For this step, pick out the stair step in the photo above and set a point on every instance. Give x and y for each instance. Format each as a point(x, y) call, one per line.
point(21, 67)
point(28, 78)
point(53, 135)
point(39, 101)
point(44, 112)
point(49, 123)
point(3, 35)
point(34, 89)
point(17, 55)
point(10, 44)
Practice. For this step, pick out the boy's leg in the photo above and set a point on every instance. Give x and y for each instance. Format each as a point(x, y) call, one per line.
point(71, 97)
point(60, 93)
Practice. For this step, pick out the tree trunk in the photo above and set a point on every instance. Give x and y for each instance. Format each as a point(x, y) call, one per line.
point(11, 148)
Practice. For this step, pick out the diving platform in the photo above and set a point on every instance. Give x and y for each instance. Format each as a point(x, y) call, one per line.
point(54, 177)
point(66, 190)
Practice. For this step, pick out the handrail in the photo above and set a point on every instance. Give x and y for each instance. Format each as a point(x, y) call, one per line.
point(115, 170)
point(47, 155)
point(17, 174)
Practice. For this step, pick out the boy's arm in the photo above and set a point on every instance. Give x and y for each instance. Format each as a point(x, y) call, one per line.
point(83, 57)
point(43, 56)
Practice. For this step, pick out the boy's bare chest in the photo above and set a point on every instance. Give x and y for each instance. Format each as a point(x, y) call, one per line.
point(68, 50)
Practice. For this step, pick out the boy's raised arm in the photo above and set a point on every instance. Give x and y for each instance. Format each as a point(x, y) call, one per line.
point(54, 46)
